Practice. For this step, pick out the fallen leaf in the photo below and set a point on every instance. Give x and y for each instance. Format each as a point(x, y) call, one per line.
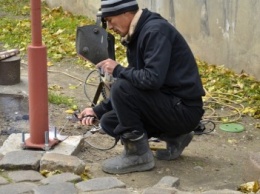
point(69, 111)
point(232, 141)
point(249, 187)
point(49, 64)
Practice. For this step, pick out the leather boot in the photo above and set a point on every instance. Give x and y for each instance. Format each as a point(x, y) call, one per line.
point(174, 146)
point(136, 156)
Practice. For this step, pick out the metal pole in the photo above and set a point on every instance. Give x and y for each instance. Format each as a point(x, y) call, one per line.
point(38, 87)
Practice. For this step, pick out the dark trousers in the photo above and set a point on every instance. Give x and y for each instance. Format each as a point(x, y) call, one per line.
point(149, 111)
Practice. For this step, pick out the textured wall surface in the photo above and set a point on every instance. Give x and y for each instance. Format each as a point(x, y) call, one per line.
point(223, 32)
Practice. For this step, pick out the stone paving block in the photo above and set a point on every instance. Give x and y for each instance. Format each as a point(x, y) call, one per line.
point(23, 159)
point(25, 176)
point(20, 88)
point(159, 190)
point(64, 163)
point(64, 177)
point(168, 181)
point(59, 188)
point(70, 146)
point(16, 188)
point(102, 183)
point(224, 191)
point(12, 143)
point(110, 191)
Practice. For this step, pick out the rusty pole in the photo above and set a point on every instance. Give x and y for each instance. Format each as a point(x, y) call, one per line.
point(38, 86)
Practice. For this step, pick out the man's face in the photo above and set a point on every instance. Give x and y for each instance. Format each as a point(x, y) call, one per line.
point(119, 23)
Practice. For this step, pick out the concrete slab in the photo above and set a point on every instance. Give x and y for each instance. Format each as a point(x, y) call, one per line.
point(17, 89)
point(70, 146)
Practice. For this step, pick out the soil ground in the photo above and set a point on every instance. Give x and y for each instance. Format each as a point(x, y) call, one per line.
point(219, 160)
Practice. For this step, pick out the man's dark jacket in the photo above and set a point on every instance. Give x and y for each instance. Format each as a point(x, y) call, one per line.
point(159, 59)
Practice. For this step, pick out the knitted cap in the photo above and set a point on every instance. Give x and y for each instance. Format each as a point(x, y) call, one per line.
point(117, 7)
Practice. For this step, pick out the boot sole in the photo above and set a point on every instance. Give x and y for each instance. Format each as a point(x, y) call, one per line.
point(164, 154)
point(136, 168)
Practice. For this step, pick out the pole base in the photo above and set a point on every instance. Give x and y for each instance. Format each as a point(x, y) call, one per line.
point(29, 145)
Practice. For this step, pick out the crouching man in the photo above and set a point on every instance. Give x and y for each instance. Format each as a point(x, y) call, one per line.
point(159, 94)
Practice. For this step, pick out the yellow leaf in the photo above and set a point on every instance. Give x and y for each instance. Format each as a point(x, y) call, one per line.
point(72, 87)
point(86, 174)
point(253, 85)
point(49, 64)
point(59, 32)
point(70, 111)
point(249, 187)
point(232, 141)
point(212, 88)
point(74, 107)
point(224, 120)
point(55, 87)
point(47, 173)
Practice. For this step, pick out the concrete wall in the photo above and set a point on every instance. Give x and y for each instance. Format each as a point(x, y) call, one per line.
point(224, 32)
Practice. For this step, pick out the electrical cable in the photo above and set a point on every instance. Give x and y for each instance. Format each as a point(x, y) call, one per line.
point(85, 86)
point(202, 129)
point(87, 134)
point(210, 99)
point(103, 90)
point(225, 103)
point(99, 148)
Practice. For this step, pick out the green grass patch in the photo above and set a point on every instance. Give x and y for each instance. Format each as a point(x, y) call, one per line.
point(59, 99)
